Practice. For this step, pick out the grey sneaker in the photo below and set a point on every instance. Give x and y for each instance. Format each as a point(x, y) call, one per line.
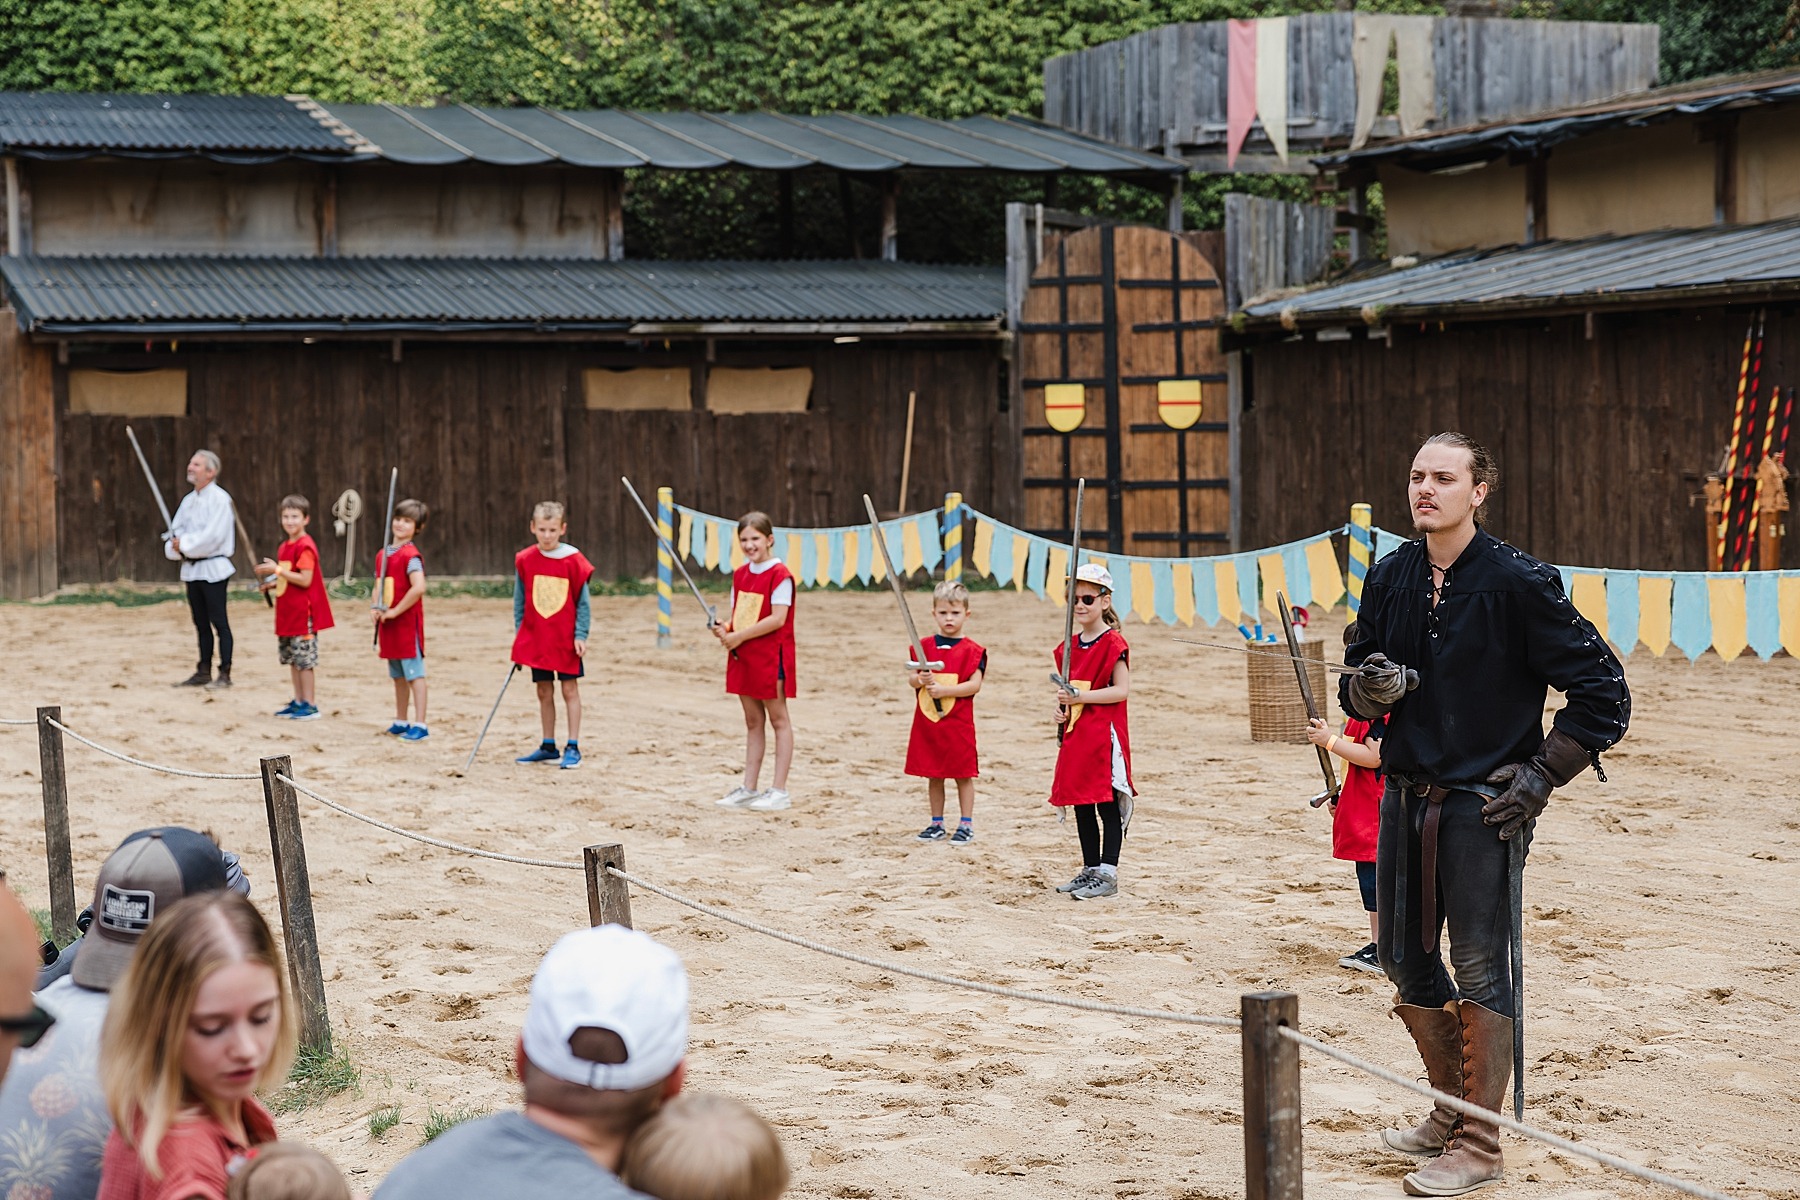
point(963, 836)
point(773, 800)
point(1080, 880)
point(737, 797)
point(935, 832)
point(1098, 885)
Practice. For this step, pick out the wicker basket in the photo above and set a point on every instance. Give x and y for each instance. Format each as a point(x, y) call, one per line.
point(1277, 710)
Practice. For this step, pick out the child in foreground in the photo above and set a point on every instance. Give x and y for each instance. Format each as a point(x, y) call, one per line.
point(942, 745)
point(550, 627)
point(705, 1147)
point(1093, 764)
point(400, 619)
point(1356, 816)
point(288, 1171)
point(759, 640)
point(302, 608)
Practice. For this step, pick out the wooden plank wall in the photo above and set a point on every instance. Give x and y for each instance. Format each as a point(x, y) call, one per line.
point(481, 432)
point(27, 465)
point(1272, 244)
point(1597, 439)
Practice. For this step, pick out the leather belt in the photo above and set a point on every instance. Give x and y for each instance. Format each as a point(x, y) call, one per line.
point(1428, 840)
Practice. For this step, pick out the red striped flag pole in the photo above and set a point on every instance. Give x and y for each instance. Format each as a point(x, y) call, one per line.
point(1729, 466)
point(1740, 482)
point(1756, 503)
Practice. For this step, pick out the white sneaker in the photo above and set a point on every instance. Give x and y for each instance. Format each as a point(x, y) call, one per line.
point(737, 797)
point(773, 800)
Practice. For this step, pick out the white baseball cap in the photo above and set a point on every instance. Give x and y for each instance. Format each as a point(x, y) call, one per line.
point(616, 979)
point(1095, 574)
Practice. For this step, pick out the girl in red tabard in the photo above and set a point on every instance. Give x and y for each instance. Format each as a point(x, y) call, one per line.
point(400, 619)
point(942, 745)
point(759, 638)
point(302, 608)
point(1093, 765)
point(1356, 817)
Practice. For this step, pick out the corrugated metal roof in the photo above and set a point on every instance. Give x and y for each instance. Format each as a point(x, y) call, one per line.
point(202, 294)
point(1644, 268)
point(1543, 130)
point(73, 124)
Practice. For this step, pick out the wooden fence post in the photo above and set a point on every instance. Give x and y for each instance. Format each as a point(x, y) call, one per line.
point(295, 892)
point(1272, 1167)
point(56, 825)
point(609, 897)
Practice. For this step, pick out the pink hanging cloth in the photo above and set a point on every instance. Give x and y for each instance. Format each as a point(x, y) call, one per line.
point(1240, 103)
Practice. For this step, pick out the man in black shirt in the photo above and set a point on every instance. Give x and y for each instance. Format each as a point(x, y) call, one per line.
point(1460, 636)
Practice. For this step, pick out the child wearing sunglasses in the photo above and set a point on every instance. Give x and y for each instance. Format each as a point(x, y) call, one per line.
point(1093, 764)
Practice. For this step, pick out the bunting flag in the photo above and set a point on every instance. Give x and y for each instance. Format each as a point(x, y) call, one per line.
point(1788, 604)
point(1655, 593)
point(1725, 607)
point(1240, 95)
point(1622, 610)
point(1272, 80)
point(818, 557)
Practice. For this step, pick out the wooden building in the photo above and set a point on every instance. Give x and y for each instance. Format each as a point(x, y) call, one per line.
point(322, 294)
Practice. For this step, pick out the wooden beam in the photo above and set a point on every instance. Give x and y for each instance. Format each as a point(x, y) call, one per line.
point(609, 897)
point(12, 206)
point(57, 854)
point(847, 207)
point(1358, 222)
point(1272, 1166)
point(1176, 216)
point(1537, 198)
point(785, 183)
point(294, 891)
point(1725, 170)
point(890, 218)
point(615, 217)
point(328, 214)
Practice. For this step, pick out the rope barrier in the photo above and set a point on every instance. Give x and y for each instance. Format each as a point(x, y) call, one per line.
point(148, 766)
point(429, 841)
point(10, 721)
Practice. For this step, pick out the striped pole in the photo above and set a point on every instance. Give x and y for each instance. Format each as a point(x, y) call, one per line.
point(953, 531)
point(665, 566)
point(1362, 550)
point(1729, 467)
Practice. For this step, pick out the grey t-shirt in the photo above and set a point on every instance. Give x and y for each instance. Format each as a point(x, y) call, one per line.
point(53, 1119)
point(507, 1154)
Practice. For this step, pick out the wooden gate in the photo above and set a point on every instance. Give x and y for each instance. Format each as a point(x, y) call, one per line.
point(1124, 384)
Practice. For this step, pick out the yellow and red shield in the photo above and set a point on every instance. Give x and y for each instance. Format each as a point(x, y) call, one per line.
point(548, 594)
point(387, 591)
point(747, 611)
point(948, 679)
point(1178, 402)
point(1065, 404)
point(281, 583)
point(1080, 685)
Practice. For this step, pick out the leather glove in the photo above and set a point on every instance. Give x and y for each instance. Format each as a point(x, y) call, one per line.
point(1379, 685)
point(1529, 784)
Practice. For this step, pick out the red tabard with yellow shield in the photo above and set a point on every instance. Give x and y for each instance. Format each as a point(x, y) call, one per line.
point(763, 667)
point(404, 636)
point(301, 611)
point(546, 636)
point(1084, 762)
point(942, 745)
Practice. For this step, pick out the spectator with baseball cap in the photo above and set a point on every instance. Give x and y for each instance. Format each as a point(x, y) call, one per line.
point(53, 1097)
point(604, 1045)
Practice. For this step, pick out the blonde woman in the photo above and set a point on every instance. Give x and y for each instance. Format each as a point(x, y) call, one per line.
point(200, 1022)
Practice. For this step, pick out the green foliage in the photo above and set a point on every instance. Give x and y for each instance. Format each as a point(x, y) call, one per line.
point(1700, 37)
point(317, 1076)
point(438, 1120)
point(383, 1119)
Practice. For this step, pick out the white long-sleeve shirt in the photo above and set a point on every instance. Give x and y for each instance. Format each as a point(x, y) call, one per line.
point(208, 534)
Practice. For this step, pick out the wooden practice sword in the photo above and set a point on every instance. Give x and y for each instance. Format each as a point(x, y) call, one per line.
point(1312, 706)
point(912, 631)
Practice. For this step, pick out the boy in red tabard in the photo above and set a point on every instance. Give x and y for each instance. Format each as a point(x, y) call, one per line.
point(759, 667)
point(400, 619)
point(301, 607)
point(1093, 764)
point(1356, 817)
point(550, 623)
point(942, 745)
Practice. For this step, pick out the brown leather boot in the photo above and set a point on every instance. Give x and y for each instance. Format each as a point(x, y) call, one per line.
point(1438, 1035)
point(1471, 1156)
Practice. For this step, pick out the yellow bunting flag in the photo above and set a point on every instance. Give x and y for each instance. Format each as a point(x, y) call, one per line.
point(1225, 582)
point(1143, 592)
point(1588, 594)
point(1178, 402)
point(712, 545)
point(1787, 603)
point(852, 548)
point(684, 539)
point(821, 559)
point(983, 557)
point(1274, 578)
point(737, 553)
point(1725, 602)
point(1655, 594)
point(1065, 404)
point(1056, 575)
point(1183, 575)
point(912, 551)
point(1327, 580)
point(1021, 558)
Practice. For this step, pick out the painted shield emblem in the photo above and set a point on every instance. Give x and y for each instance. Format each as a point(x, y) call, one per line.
point(1178, 402)
point(1065, 404)
point(948, 679)
point(549, 593)
point(281, 583)
point(1075, 711)
point(747, 611)
point(387, 591)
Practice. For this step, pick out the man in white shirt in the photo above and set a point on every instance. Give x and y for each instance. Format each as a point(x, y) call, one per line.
point(202, 538)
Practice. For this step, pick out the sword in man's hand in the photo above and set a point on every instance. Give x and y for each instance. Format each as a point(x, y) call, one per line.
point(1312, 706)
point(150, 478)
point(1515, 878)
point(1062, 680)
point(912, 631)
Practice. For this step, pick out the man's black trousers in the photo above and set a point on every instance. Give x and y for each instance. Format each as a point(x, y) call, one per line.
point(206, 601)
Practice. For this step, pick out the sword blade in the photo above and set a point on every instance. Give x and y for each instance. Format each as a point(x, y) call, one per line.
point(511, 670)
point(1332, 668)
point(712, 615)
point(150, 478)
point(1312, 705)
point(1516, 881)
point(912, 631)
point(1068, 647)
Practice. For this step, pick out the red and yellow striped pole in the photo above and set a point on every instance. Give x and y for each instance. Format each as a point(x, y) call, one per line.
point(1756, 505)
point(1737, 429)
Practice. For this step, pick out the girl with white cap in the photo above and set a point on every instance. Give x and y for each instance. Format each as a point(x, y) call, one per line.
point(1093, 764)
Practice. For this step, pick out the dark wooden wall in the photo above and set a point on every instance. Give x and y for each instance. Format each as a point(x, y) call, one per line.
point(1600, 441)
point(27, 465)
point(483, 431)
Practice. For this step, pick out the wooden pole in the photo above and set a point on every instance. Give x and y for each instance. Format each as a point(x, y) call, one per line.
point(1272, 1169)
point(609, 898)
point(57, 854)
point(295, 894)
point(912, 405)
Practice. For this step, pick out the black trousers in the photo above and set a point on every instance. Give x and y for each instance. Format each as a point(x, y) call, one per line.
point(1091, 820)
point(1472, 901)
point(206, 603)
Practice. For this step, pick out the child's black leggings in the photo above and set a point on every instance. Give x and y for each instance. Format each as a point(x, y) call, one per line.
point(1101, 831)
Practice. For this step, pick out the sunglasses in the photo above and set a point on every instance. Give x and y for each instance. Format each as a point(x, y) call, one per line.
point(1082, 601)
point(31, 1027)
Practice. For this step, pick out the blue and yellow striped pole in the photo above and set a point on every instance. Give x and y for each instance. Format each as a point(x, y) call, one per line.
point(953, 531)
point(665, 566)
point(1362, 549)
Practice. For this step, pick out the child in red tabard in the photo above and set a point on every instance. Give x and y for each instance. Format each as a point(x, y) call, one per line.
point(400, 619)
point(1093, 765)
point(759, 638)
point(1356, 817)
point(550, 623)
point(943, 735)
point(302, 609)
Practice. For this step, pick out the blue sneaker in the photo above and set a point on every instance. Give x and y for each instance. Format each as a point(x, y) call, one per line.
point(399, 728)
point(415, 733)
point(544, 753)
point(287, 710)
point(304, 712)
point(571, 757)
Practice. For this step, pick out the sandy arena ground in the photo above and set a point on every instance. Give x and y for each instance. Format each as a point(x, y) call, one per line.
point(1663, 954)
